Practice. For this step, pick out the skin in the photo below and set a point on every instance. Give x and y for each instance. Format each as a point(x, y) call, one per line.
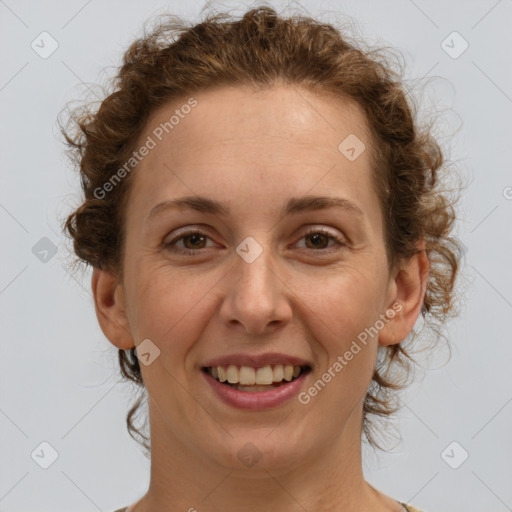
point(254, 150)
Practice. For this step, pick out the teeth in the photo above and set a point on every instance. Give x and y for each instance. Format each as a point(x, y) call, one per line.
point(264, 375)
point(222, 374)
point(233, 375)
point(278, 373)
point(248, 376)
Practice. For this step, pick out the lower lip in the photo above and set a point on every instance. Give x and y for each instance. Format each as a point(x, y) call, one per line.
point(255, 400)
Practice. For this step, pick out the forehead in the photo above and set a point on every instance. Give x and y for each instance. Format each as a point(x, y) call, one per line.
point(247, 139)
point(282, 113)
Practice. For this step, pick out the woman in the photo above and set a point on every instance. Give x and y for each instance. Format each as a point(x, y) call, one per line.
point(264, 223)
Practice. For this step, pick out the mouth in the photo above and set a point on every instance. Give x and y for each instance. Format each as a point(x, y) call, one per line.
point(256, 379)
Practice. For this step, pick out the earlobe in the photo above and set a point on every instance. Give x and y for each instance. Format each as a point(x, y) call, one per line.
point(109, 303)
point(409, 288)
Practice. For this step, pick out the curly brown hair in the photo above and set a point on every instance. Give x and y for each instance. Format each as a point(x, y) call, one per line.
point(262, 49)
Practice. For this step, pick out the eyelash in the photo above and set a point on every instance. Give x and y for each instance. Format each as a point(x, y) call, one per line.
point(311, 231)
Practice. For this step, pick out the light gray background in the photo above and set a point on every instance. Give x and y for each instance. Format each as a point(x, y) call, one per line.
point(59, 379)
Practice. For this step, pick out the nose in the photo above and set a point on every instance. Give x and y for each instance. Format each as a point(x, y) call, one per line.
point(257, 299)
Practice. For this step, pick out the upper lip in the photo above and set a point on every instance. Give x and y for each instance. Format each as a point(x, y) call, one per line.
point(256, 361)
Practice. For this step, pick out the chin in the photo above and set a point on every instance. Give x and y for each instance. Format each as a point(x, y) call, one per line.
point(250, 451)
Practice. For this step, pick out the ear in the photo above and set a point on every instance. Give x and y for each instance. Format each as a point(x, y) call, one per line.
point(110, 308)
point(407, 291)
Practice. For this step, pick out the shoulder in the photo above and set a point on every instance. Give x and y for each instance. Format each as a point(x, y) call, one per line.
point(410, 508)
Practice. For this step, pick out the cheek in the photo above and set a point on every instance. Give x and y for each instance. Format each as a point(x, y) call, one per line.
point(172, 306)
point(345, 299)
point(168, 307)
point(341, 313)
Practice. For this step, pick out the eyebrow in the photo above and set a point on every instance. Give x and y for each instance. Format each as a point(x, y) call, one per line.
point(294, 205)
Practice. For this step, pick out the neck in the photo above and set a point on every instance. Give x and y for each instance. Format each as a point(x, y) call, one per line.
point(330, 479)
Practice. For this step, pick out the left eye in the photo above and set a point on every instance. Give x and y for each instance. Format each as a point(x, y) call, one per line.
point(317, 235)
point(197, 238)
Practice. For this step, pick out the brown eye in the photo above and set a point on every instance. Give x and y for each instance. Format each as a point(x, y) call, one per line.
point(320, 238)
point(317, 239)
point(195, 240)
point(192, 242)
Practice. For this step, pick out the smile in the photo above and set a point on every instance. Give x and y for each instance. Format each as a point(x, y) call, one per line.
point(256, 388)
point(248, 377)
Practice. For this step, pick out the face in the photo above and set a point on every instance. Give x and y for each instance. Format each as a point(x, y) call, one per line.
point(296, 287)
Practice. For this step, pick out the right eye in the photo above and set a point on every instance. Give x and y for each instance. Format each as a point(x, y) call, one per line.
point(194, 236)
